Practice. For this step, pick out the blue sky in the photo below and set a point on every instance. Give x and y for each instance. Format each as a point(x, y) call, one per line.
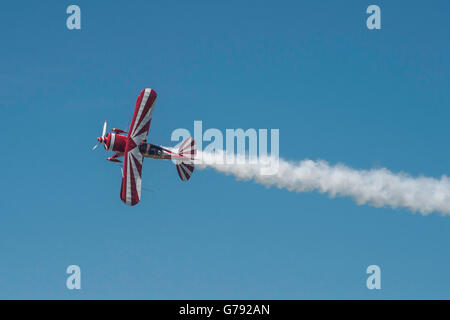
point(336, 90)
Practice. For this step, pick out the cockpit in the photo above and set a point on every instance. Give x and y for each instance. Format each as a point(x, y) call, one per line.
point(150, 149)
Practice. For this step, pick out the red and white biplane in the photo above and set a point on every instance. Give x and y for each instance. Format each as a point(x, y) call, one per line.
point(134, 148)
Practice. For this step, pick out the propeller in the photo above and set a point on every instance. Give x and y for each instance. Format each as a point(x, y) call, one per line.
point(104, 130)
point(102, 138)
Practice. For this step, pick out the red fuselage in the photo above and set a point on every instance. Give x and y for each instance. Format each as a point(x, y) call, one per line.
point(115, 142)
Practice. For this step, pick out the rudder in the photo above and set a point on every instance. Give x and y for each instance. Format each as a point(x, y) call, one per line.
point(186, 149)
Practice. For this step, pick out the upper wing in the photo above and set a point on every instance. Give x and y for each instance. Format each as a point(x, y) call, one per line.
point(130, 192)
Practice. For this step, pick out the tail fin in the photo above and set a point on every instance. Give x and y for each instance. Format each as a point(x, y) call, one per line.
point(186, 168)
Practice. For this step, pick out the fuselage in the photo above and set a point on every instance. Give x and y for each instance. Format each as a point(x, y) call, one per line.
point(116, 142)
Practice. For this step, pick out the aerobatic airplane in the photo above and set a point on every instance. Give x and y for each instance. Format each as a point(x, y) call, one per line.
point(134, 148)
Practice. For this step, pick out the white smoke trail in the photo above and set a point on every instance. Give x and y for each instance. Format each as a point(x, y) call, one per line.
point(375, 187)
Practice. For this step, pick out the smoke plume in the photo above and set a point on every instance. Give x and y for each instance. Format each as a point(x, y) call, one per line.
point(375, 187)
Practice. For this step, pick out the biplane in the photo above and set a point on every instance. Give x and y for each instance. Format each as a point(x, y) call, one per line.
point(134, 148)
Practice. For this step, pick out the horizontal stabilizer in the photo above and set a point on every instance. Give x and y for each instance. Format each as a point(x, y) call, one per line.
point(185, 170)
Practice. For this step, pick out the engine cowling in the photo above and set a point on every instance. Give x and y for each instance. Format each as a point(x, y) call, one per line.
point(115, 142)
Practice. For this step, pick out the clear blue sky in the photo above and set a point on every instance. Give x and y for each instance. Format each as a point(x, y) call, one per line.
point(336, 90)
